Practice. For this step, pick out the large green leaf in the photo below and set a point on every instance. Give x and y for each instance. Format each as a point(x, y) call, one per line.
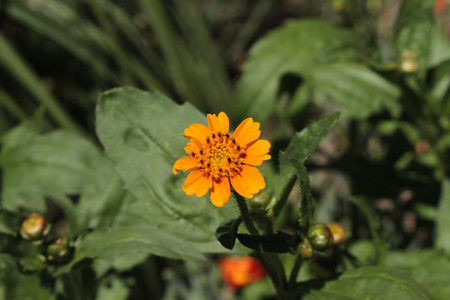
point(360, 91)
point(315, 51)
point(428, 267)
point(442, 218)
point(300, 148)
point(53, 166)
point(141, 132)
point(119, 242)
point(296, 48)
point(372, 283)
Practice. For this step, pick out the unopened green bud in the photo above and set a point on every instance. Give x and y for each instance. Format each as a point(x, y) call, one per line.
point(321, 237)
point(58, 250)
point(305, 250)
point(34, 227)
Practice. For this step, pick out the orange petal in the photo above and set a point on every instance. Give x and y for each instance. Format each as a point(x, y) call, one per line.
point(257, 152)
point(256, 161)
point(258, 148)
point(196, 183)
point(187, 163)
point(247, 132)
point(198, 132)
point(220, 192)
point(241, 126)
point(248, 182)
point(224, 122)
point(192, 146)
point(213, 122)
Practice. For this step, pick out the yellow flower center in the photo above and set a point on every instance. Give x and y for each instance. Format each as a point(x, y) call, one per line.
point(221, 156)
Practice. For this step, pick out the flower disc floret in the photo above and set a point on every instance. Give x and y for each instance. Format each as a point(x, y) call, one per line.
point(218, 158)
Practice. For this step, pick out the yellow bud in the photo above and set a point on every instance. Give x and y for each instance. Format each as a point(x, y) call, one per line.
point(34, 227)
point(409, 62)
point(339, 233)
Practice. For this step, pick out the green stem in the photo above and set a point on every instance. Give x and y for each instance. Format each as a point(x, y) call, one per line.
point(72, 284)
point(270, 261)
point(245, 213)
point(295, 270)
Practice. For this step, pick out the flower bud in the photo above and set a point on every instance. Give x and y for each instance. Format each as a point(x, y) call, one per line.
point(260, 200)
point(320, 237)
point(305, 250)
point(58, 250)
point(339, 233)
point(34, 227)
point(409, 62)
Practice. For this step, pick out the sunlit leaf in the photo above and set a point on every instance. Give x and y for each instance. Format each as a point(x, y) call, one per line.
point(141, 132)
point(375, 283)
point(57, 165)
point(358, 90)
point(325, 58)
point(428, 267)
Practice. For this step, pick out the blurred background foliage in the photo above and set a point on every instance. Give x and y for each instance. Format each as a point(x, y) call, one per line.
point(384, 63)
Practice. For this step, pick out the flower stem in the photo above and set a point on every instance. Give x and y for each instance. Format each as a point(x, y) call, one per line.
point(295, 270)
point(270, 261)
point(245, 213)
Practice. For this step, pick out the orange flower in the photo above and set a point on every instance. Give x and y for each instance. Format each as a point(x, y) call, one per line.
point(216, 159)
point(439, 6)
point(241, 271)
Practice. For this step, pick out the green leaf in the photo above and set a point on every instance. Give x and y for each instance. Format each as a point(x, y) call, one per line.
point(321, 55)
point(113, 289)
point(358, 90)
point(439, 94)
point(439, 46)
point(17, 286)
point(442, 217)
point(114, 243)
point(428, 267)
point(10, 223)
point(297, 47)
point(141, 132)
point(306, 201)
point(55, 165)
point(374, 283)
point(24, 133)
point(413, 26)
point(300, 148)
point(226, 234)
point(389, 127)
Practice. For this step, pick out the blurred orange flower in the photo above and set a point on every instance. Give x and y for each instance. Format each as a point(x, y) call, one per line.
point(216, 159)
point(241, 271)
point(439, 6)
point(339, 233)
